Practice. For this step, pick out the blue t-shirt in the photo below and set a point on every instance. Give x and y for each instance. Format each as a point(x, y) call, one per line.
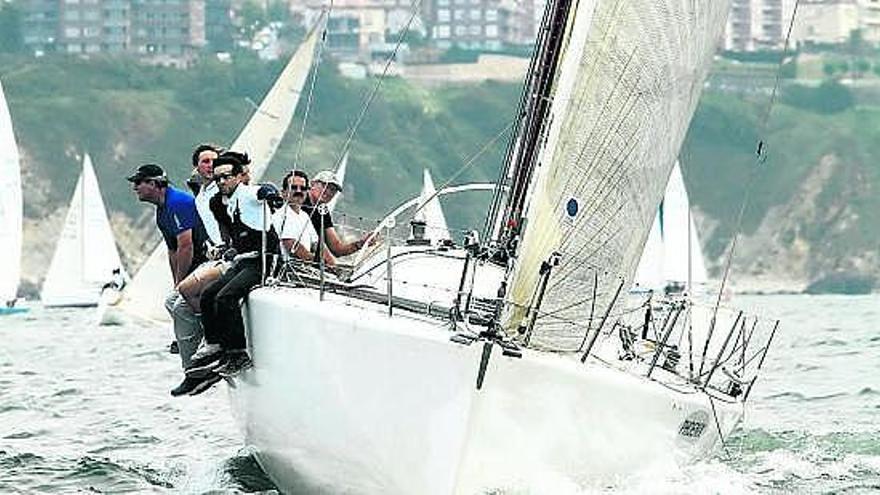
point(176, 216)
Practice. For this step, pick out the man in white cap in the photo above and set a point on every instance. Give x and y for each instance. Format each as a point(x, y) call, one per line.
point(325, 186)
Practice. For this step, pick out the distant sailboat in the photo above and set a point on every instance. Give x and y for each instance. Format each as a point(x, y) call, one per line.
point(260, 138)
point(672, 256)
point(431, 212)
point(10, 212)
point(86, 256)
point(340, 174)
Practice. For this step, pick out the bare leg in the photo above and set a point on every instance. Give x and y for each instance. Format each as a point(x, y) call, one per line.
point(192, 286)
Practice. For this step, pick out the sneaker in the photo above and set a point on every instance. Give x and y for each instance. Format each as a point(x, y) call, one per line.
point(174, 348)
point(206, 383)
point(186, 386)
point(236, 362)
point(206, 354)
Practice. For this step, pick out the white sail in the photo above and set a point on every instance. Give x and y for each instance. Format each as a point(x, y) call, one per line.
point(630, 77)
point(682, 253)
point(649, 274)
point(10, 206)
point(673, 247)
point(260, 139)
point(86, 253)
point(431, 212)
point(340, 174)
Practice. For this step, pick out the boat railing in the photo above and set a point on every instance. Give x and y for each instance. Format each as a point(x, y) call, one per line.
point(721, 350)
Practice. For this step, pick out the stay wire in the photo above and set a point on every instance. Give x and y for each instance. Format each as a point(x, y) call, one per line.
point(760, 158)
point(417, 5)
point(368, 102)
point(325, 18)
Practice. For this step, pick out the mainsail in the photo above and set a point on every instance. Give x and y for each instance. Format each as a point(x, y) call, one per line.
point(10, 206)
point(260, 138)
point(672, 252)
point(86, 255)
point(630, 77)
point(430, 211)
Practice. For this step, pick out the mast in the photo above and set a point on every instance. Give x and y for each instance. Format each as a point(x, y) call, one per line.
point(506, 209)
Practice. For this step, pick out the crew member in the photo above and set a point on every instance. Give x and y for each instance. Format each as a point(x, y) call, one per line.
point(247, 220)
point(178, 221)
point(325, 186)
point(298, 236)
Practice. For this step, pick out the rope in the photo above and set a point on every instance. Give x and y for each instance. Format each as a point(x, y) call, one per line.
point(416, 7)
point(470, 161)
point(760, 158)
point(318, 60)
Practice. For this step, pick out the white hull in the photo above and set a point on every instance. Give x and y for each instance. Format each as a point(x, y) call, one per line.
point(344, 399)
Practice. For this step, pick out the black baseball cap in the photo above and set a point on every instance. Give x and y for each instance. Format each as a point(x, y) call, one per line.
point(148, 171)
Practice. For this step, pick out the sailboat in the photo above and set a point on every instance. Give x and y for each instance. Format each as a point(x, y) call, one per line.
point(260, 138)
point(672, 259)
point(86, 257)
point(10, 212)
point(430, 212)
point(500, 364)
point(340, 175)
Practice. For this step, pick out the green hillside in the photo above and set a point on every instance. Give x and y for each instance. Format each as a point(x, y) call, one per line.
point(124, 114)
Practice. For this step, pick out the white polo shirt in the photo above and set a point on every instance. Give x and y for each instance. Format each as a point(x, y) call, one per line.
point(296, 226)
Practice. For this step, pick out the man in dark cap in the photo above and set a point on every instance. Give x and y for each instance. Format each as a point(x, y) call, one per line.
point(178, 221)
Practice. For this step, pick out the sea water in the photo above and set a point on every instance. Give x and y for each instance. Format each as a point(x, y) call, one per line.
point(87, 409)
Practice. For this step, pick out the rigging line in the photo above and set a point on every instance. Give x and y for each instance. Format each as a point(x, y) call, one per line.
point(318, 59)
point(470, 162)
point(416, 7)
point(717, 424)
point(760, 157)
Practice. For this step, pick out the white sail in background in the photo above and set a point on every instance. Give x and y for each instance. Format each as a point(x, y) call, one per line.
point(649, 275)
point(86, 253)
point(431, 212)
point(630, 78)
point(260, 139)
point(673, 247)
point(679, 235)
point(10, 206)
point(340, 174)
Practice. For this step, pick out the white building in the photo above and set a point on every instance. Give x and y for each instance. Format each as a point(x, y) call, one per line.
point(825, 22)
point(758, 24)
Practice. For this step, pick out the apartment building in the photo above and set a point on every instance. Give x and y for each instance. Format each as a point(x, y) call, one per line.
point(825, 22)
point(482, 24)
point(361, 30)
point(869, 20)
point(164, 30)
point(758, 24)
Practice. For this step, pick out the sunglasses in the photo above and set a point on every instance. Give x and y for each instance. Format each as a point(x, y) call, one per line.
point(297, 188)
point(223, 177)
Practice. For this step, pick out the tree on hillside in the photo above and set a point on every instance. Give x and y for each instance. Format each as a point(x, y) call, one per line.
point(11, 40)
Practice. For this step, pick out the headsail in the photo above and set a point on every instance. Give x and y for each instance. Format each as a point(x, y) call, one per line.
point(10, 205)
point(431, 212)
point(630, 77)
point(672, 252)
point(86, 253)
point(260, 138)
